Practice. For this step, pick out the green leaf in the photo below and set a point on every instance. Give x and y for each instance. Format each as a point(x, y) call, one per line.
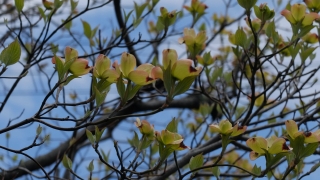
point(305, 30)
point(297, 144)
point(103, 85)
point(134, 141)
point(290, 157)
point(88, 113)
point(91, 166)
point(120, 87)
point(183, 85)
point(133, 91)
point(227, 76)
point(312, 56)
point(206, 58)
point(172, 19)
point(67, 65)
point(46, 138)
point(249, 40)
point(165, 152)
point(74, 4)
point(139, 9)
point(159, 25)
point(105, 156)
point(92, 43)
point(196, 162)
point(239, 111)
point(205, 109)
point(41, 12)
point(309, 149)
point(240, 38)
point(272, 33)
point(314, 167)
point(306, 53)
point(247, 4)
point(275, 159)
point(39, 130)
point(70, 78)
point(168, 81)
point(173, 125)
point(99, 133)
point(66, 161)
point(90, 136)
point(127, 16)
point(257, 11)
point(54, 48)
point(202, 27)
point(217, 72)
point(7, 135)
point(136, 22)
point(161, 147)
point(144, 143)
point(11, 54)
point(68, 24)
point(163, 21)
point(294, 50)
point(94, 31)
point(270, 29)
point(86, 29)
point(216, 171)
point(225, 141)
point(237, 51)
point(19, 4)
point(100, 96)
point(256, 170)
point(57, 4)
point(14, 158)
point(271, 121)
point(59, 67)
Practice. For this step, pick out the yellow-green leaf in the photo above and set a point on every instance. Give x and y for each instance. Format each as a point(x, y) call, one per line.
point(86, 29)
point(41, 12)
point(66, 161)
point(73, 4)
point(39, 129)
point(11, 54)
point(240, 38)
point(91, 166)
point(183, 85)
point(196, 162)
point(90, 136)
point(215, 171)
point(173, 126)
point(19, 4)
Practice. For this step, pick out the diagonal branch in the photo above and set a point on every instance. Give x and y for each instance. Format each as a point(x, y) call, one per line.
point(122, 26)
point(190, 102)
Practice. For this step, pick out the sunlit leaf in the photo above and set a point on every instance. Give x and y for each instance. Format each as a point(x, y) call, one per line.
point(86, 29)
point(196, 162)
point(90, 136)
point(173, 125)
point(11, 54)
point(19, 4)
point(66, 161)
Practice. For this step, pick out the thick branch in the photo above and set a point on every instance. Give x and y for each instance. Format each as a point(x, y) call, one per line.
point(118, 11)
point(190, 102)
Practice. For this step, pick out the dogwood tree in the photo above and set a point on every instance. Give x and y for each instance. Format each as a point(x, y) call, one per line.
point(153, 90)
